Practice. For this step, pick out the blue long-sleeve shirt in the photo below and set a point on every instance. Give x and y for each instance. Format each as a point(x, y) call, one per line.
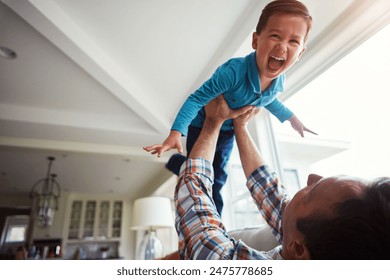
point(238, 80)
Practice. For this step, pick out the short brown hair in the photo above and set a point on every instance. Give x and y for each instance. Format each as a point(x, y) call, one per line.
point(284, 7)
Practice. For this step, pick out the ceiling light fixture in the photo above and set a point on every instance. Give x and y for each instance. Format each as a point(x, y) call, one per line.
point(7, 53)
point(45, 194)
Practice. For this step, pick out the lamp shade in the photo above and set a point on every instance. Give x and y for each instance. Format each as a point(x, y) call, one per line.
point(152, 212)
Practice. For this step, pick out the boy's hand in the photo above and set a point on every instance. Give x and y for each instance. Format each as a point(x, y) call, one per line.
point(298, 126)
point(172, 141)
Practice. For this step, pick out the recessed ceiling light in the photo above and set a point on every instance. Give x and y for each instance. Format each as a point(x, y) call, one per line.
point(7, 53)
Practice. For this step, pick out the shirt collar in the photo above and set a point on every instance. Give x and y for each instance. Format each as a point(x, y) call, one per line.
point(277, 84)
point(276, 253)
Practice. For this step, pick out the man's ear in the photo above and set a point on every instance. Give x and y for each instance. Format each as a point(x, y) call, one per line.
point(313, 178)
point(299, 251)
point(254, 40)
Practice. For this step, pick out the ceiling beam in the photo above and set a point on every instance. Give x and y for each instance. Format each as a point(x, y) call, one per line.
point(235, 37)
point(70, 119)
point(133, 153)
point(50, 20)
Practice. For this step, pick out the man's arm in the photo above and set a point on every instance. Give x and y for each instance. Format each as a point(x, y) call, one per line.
point(265, 188)
point(250, 156)
point(199, 226)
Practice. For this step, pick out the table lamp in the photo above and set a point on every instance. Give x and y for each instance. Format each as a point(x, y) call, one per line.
point(151, 213)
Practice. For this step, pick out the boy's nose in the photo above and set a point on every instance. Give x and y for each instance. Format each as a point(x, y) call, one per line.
point(281, 47)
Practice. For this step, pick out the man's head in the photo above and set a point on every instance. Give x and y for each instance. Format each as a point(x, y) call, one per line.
point(280, 38)
point(338, 218)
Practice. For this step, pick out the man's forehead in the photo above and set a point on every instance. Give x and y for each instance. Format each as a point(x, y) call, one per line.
point(326, 193)
point(339, 179)
point(346, 179)
point(345, 184)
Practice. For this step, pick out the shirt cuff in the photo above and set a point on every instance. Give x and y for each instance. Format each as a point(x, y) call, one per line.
point(261, 175)
point(197, 165)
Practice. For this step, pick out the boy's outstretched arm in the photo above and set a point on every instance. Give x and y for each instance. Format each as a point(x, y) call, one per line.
point(298, 126)
point(171, 142)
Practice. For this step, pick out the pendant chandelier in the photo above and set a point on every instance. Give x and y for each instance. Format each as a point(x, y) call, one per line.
point(45, 194)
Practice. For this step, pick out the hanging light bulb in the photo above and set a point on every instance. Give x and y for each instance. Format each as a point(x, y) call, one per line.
point(45, 193)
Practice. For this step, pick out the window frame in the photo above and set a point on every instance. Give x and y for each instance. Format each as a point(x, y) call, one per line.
point(11, 222)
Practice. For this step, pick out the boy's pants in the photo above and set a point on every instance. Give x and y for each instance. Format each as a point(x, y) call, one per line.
point(222, 154)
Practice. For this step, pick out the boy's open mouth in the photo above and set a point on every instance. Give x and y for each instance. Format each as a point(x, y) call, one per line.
point(275, 63)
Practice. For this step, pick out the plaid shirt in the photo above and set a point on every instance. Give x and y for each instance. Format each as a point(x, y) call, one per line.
point(201, 232)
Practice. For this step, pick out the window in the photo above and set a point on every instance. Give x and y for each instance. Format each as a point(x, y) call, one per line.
point(291, 179)
point(245, 212)
point(16, 234)
point(15, 229)
point(348, 107)
point(239, 210)
point(349, 104)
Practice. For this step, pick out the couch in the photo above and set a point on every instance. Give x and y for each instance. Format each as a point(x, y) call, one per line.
point(259, 238)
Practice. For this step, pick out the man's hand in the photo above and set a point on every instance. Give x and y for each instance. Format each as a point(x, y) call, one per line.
point(298, 126)
point(218, 111)
point(243, 120)
point(172, 142)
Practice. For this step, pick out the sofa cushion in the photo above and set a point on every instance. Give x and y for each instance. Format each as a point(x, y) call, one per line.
point(259, 238)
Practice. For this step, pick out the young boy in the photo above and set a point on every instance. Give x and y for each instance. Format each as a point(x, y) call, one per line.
point(279, 41)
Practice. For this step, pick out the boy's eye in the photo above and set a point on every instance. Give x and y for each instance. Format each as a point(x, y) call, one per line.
point(275, 36)
point(295, 42)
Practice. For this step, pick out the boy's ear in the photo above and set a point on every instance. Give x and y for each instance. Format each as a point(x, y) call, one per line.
point(254, 40)
point(301, 53)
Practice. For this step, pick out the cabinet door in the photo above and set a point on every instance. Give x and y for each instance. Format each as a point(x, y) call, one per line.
point(103, 219)
point(95, 219)
point(89, 219)
point(75, 219)
point(117, 219)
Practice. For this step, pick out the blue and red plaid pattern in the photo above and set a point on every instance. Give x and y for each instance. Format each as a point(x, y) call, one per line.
point(202, 234)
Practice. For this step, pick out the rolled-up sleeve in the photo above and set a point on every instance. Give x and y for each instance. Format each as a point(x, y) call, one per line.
point(270, 197)
point(202, 234)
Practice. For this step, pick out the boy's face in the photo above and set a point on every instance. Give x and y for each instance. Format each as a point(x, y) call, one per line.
point(279, 45)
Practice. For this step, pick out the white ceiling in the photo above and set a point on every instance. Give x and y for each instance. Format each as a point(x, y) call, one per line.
point(96, 80)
